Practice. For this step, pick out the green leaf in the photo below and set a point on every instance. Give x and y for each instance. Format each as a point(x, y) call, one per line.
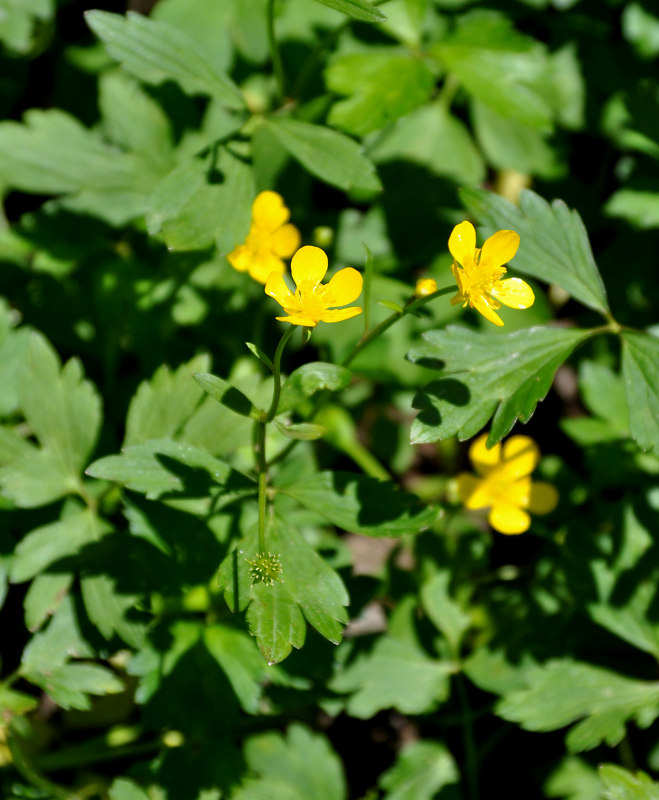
point(509, 144)
point(432, 137)
point(163, 467)
point(310, 378)
point(262, 357)
point(46, 545)
point(498, 65)
point(573, 779)
point(640, 371)
point(641, 29)
point(382, 84)
point(562, 692)
point(554, 244)
point(44, 596)
point(13, 702)
point(396, 307)
point(305, 431)
point(155, 52)
point(621, 784)
point(395, 674)
point(361, 504)
point(227, 395)
point(125, 789)
point(357, 9)
point(240, 661)
point(204, 199)
point(70, 684)
point(107, 608)
point(161, 406)
point(298, 766)
point(307, 586)
point(52, 153)
point(505, 375)
point(443, 610)
point(330, 156)
point(61, 640)
point(63, 411)
point(420, 771)
point(638, 207)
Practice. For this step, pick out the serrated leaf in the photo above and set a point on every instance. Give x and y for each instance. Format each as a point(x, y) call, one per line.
point(70, 684)
point(420, 771)
point(309, 379)
point(241, 662)
point(162, 467)
point(395, 674)
point(155, 52)
point(304, 431)
point(297, 766)
point(307, 586)
point(327, 154)
point(357, 9)
point(505, 375)
point(44, 596)
point(163, 404)
point(361, 504)
point(443, 610)
point(640, 371)
point(63, 411)
point(226, 394)
point(562, 692)
point(61, 640)
point(204, 199)
point(49, 543)
point(501, 67)
point(554, 245)
point(383, 85)
point(621, 784)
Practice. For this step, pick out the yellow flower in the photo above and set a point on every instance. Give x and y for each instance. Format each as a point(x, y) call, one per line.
point(504, 485)
point(269, 239)
point(315, 302)
point(425, 286)
point(479, 272)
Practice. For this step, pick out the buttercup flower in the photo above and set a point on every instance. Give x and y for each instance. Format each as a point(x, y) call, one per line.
point(270, 239)
point(504, 483)
point(425, 286)
point(315, 302)
point(479, 272)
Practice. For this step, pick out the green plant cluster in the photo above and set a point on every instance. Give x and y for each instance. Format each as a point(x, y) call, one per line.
point(232, 569)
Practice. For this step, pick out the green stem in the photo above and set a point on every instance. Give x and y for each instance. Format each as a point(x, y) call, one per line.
point(30, 774)
point(260, 431)
point(275, 55)
point(409, 308)
point(469, 741)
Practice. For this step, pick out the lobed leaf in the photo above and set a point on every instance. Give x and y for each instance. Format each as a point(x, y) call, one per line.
point(361, 504)
point(504, 375)
point(621, 784)
point(155, 51)
point(420, 771)
point(554, 245)
point(327, 154)
point(640, 371)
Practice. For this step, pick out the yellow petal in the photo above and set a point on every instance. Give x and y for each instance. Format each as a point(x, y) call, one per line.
point(508, 519)
point(484, 460)
point(513, 292)
point(269, 211)
point(239, 258)
point(516, 493)
point(263, 264)
point(339, 314)
point(520, 456)
point(285, 241)
point(499, 248)
point(300, 319)
point(544, 498)
point(467, 485)
point(477, 300)
point(276, 287)
point(309, 264)
point(462, 241)
point(345, 287)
